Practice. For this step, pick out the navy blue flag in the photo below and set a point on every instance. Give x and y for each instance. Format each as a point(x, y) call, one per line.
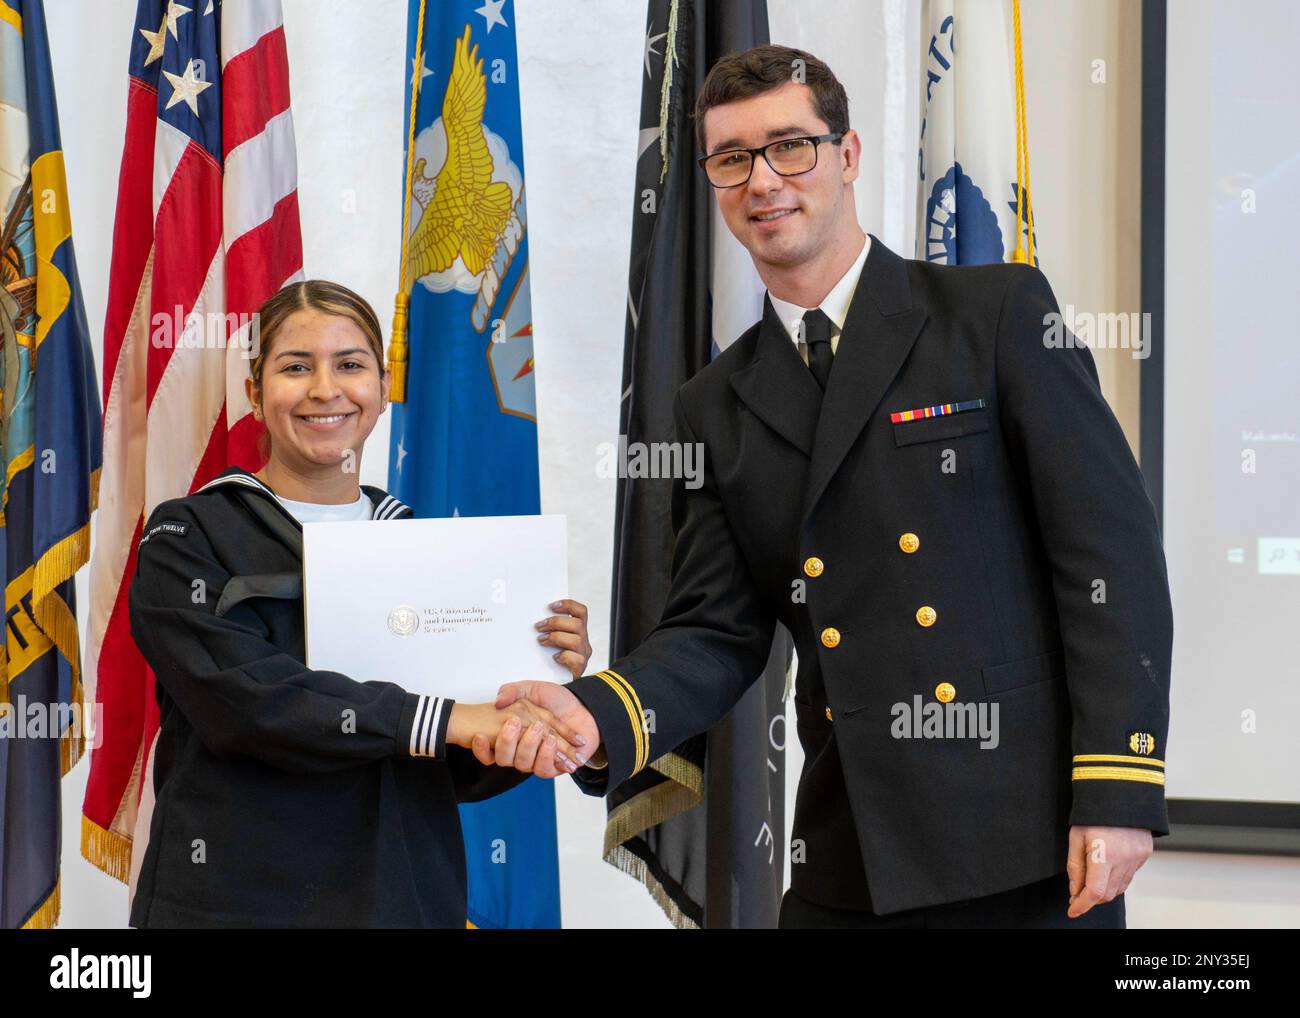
point(51, 443)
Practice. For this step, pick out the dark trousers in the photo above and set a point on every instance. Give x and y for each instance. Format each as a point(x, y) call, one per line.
point(1037, 906)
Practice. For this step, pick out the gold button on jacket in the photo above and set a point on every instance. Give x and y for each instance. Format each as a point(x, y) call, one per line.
point(945, 692)
point(909, 542)
point(830, 637)
point(926, 615)
point(813, 566)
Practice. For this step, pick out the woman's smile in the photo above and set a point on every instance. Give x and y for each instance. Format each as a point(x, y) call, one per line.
point(327, 422)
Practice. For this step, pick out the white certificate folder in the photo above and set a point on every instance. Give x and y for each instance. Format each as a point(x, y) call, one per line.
point(444, 606)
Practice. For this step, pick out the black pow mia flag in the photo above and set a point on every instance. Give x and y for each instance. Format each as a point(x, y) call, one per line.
point(704, 826)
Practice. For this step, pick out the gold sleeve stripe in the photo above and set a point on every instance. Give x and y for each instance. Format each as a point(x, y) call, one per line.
point(640, 716)
point(1117, 774)
point(1108, 758)
point(633, 718)
point(635, 699)
point(621, 693)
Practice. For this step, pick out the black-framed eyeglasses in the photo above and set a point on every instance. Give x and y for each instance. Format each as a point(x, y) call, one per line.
point(787, 156)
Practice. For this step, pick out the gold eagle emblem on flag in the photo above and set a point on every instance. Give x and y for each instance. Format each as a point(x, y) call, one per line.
point(468, 211)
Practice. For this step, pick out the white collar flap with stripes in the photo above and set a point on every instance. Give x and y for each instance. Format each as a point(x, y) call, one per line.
point(386, 506)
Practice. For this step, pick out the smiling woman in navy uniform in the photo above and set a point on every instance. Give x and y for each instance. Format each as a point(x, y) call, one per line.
point(938, 505)
point(284, 795)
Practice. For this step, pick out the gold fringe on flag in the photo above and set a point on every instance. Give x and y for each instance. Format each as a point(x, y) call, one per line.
point(1024, 201)
point(106, 850)
point(634, 866)
point(682, 790)
point(47, 916)
point(397, 346)
point(72, 744)
point(658, 804)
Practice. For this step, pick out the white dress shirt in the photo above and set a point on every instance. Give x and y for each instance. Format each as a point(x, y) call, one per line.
point(835, 306)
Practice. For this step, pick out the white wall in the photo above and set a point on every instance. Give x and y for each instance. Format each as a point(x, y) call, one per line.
point(580, 81)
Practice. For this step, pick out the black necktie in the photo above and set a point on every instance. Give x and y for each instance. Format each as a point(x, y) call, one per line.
point(817, 334)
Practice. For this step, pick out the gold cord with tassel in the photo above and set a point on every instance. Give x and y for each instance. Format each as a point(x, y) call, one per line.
point(1024, 206)
point(397, 347)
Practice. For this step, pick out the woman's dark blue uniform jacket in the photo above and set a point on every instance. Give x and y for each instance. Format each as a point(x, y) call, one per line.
point(284, 795)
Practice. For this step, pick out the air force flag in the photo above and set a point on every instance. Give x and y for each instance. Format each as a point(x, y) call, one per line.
point(464, 440)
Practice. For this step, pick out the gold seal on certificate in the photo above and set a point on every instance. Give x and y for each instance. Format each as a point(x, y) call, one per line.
point(442, 606)
point(403, 620)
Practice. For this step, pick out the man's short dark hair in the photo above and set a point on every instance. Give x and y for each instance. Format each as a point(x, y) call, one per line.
point(764, 68)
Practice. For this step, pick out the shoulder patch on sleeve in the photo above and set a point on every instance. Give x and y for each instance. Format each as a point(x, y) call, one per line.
point(166, 527)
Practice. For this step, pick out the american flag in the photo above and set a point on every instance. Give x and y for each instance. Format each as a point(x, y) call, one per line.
point(206, 230)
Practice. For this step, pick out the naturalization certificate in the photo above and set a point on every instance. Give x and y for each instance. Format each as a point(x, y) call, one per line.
point(443, 606)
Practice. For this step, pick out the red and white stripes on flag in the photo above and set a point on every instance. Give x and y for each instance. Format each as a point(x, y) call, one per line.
point(206, 230)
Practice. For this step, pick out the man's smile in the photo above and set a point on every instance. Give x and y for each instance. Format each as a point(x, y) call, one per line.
point(770, 215)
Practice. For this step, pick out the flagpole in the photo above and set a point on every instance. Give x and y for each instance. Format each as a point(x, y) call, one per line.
point(397, 347)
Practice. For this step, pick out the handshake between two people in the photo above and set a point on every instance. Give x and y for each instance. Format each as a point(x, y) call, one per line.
point(536, 727)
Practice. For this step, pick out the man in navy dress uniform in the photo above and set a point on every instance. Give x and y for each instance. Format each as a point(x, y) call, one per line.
point(906, 467)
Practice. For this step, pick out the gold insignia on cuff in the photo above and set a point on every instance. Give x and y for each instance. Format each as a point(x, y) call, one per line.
point(1142, 743)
